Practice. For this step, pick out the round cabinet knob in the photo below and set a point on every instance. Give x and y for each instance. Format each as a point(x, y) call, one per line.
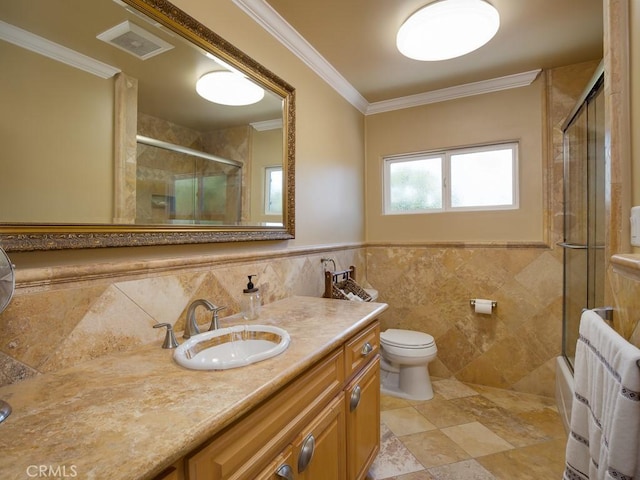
point(355, 398)
point(306, 453)
point(366, 349)
point(285, 471)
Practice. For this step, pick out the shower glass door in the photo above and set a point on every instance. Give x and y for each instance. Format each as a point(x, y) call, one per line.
point(584, 214)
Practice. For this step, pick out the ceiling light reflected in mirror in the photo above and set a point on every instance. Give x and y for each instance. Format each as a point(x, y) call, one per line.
point(447, 29)
point(228, 88)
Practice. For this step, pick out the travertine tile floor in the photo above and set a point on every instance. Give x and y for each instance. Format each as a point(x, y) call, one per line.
point(470, 432)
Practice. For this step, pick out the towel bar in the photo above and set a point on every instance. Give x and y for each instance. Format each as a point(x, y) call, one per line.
point(606, 313)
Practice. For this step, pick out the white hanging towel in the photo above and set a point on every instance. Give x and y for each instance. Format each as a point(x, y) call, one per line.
point(604, 436)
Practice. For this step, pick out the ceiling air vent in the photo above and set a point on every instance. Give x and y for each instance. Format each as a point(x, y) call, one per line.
point(135, 40)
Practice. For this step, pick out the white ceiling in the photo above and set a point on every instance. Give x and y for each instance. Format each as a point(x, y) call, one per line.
point(357, 39)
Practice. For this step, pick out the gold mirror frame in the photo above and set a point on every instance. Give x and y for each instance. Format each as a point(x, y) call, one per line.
point(32, 237)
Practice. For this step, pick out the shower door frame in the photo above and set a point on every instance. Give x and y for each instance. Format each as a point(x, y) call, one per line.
point(590, 246)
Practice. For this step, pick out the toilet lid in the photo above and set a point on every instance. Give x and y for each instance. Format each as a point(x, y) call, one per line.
point(406, 338)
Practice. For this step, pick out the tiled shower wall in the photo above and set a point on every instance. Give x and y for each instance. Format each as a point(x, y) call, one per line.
point(88, 312)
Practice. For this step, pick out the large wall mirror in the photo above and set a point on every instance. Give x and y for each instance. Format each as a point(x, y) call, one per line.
point(109, 137)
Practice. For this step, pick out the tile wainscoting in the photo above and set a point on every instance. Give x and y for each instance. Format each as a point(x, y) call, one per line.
point(66, 315)
point(62, 316)
point(428, 289)
point(624, 282)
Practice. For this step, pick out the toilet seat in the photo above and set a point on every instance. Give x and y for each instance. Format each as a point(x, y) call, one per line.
point(408, 339)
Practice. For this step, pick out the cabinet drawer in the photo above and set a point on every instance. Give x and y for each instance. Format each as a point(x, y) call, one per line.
point(241, 449)
point(361, 349)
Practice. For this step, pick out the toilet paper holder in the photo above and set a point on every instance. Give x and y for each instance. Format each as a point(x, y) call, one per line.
point(472, 302)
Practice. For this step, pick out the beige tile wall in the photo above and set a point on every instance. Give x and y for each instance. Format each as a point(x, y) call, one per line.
point(624, 282)
point(56, 322)
point(429, 289)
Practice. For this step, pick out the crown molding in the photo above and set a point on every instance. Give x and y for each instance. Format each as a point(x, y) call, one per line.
point(267, 124)
point(23, 38)
point(265, 16)
point(477, 88)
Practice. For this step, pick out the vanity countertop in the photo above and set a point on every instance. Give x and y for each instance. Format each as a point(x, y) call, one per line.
point(126, 415)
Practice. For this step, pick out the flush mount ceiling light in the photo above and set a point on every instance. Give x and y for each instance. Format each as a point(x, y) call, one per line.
point(228, 88)
point(447, 29)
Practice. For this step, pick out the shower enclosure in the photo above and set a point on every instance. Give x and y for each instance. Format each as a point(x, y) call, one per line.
point(179, 185)
point(584, 212)
point(584, 226)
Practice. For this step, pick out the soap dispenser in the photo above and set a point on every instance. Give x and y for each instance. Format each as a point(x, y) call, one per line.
point(251, 301)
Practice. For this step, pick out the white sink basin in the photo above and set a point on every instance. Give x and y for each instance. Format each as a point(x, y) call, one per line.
point(231, 347)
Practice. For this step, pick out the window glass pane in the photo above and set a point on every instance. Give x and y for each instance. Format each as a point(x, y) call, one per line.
point(214, 196)
point(482, 178)
point(185, 198)
point(415, 185)
point(273, 200)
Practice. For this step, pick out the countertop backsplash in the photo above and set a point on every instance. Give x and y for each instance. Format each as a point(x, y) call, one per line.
point(60, 318)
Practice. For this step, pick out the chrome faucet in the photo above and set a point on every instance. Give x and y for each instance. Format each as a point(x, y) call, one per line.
point(191, 328)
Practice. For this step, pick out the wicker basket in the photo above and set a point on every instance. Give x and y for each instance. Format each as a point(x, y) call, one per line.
point(348, 286)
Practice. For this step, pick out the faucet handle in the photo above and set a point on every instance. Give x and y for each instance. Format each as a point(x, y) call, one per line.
point(214, 319)
point(169, 339)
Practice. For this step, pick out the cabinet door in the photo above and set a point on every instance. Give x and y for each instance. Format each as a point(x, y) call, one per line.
point(319, 451)
point(363, 420)
point(245, 447)
point(281, 468)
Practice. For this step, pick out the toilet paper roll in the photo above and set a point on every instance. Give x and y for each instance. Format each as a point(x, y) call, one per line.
point(483, 306)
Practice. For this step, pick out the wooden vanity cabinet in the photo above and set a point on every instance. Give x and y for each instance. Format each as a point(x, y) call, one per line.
point(247, 446)
point(309, 429)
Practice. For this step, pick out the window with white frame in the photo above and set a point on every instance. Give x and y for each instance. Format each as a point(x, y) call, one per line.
point(471, 178)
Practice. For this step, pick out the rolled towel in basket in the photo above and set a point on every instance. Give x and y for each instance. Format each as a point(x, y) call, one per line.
point(354, 297)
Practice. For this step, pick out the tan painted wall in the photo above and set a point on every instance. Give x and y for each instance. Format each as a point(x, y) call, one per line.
point(329, 131)
point(37, 122)
point(508, 115)
point(267, 151)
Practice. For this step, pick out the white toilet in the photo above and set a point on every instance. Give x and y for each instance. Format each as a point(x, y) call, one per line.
point(403, 367)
